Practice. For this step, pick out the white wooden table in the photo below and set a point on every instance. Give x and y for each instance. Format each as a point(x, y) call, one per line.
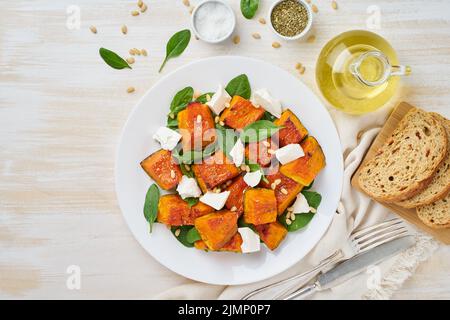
point(62, 110)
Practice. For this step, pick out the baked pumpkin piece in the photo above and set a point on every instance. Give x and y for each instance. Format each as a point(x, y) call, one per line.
point(258, 152)
point(272, 234)
point(159, 166)
point(236, 197)
point(284, 197)
point(305, 169)
point(217, 228)
point(234, 245)
point(214, 171)
point(241, 113)
point(197, 210)
point(293, 130)
point(260, 206)
point(172, 209)
point(196, 126)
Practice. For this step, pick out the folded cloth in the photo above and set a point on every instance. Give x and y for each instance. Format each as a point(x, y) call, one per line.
point(355, 211)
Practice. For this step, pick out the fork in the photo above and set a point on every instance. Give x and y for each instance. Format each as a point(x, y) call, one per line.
point(360, 241)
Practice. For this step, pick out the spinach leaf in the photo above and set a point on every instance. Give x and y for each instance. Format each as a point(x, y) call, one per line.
point(181, 99)
point(191, 201)
point(194, 155)
point(314, 198)
point(187, 173)
point(243, 224)
point(268, 116)
point(308, 187)
point(239, 86)
point(226, 138)
point(193, 235)
point(255, 167)
point(182, 237)
point(176, 45)
point(259, 130)
point(249, 8)
point(172, 123)
point(151, 205)
point(203, 98)
point(113, 60)
point(301, 221)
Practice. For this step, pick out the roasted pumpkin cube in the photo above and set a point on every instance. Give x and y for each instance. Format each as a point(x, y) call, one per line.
point(159, 166)
point(260, 206)
point(280, 182)
point(234, 245)
point(293, 130)
point(305, 169)
point(214, 171)
point(172, 209)
point(196, 126)
point(236, 197)
point(197, 210)
point(271, 234)
point(217, 228)
point(241, 113)
point(258, 152)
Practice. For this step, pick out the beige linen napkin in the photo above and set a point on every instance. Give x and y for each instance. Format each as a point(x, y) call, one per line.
point(355, 211)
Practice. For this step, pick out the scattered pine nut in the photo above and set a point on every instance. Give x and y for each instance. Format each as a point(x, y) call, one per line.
point(191, 9)
point(197, 38)
point(242, 167)
point(229, 182)
point(186, 3)
point(172, 174)
point(172, 116)
point(277, 181)
point(256, 106)
point(284, 191)
point(311, 38)
point(217, 190)
point(236, 39)
point(302, 70)
point(288, 222)
point(313, 210)
point(273, 186)
point(233, 209)
point(124, 29)
point(227, 105)
point(270, 151)
point(130, 60)
point(262, 20)
point(140, 3)
point(276, 45)
point(130, 90)
point(308, 1)
point(256, 35)
point(290, 209)
point(217, 119)
point(177, 232)
point(334, 5)
point(208, 97)
point(144, 52)
point(144, 8)
point(222, 123)
point(199, 118)
point(137, 51)
point(293, 216)
point(187, 167)
point(266, 143)
point(298, 65)
point(134, 13)
point(314, 8)
point(131, 51)
point(93, 29)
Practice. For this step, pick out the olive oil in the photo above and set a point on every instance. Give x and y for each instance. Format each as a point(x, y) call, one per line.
point(356, 71)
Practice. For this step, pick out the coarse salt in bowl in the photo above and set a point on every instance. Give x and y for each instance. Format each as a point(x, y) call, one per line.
point(213, 21)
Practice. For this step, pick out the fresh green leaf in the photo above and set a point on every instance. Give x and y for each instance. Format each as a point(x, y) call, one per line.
point(314, 198)
point(308, 187)
point(239, 86)
point(181, 100)
point(187, 173)
point(193, 155)
point(249, 8)
point(191, 201)
point(203, 98)
point(226, 138)
point(268, 116)
point(301, 221)
point(259, 130)
point(176, 45)
point(182, 237)
point(172, 123)
point(255, 167)
point(113, 60)
point(193, 235)
point(151, 205)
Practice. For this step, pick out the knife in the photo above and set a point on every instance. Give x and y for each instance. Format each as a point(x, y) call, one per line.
point(353, 266)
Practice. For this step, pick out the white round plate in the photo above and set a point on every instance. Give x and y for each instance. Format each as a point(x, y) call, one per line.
point(136, 143)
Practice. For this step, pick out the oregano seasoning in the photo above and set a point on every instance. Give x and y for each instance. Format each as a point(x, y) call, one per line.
point(289, 18)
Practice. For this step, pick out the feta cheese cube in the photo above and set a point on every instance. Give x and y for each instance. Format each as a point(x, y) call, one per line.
point(215, 200)
point(167, 138)
point(188, 188)
point(263, 98)
point(237, 153)
point(250, 240)
point(289, 153)
point(301, 204)
point(219, 100)
point(252, 178)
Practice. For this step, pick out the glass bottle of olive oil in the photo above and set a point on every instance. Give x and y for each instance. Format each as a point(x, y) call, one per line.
point(357, 71)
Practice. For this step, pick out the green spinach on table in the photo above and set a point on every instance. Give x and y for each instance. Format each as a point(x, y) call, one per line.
point(176, 45)
point(249, 8)
point(113, 60)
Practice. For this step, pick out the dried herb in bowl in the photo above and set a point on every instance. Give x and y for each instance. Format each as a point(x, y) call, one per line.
point(289, 18)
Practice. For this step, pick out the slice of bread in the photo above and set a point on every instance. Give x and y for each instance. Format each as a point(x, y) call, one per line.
point(437, 214)
point(440, 185)
point(407, 161)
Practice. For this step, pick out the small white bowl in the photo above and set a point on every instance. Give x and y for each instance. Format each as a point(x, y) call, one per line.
point(301, 34)
point(200, 36)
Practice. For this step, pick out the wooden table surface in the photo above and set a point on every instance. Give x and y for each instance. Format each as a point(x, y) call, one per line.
point(62, 110)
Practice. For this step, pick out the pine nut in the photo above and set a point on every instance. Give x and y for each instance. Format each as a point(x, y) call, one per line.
point(334, 5)
point(247, 168)
point(227, 105)
point(298, 65)
point(208, 97)
point(177, 232)
point(140, 3)
point(288, 221)
point(124, 29)
point(222, 123)
point(131, 51)
point(191, 9)
point(273, 186)
point(137, 51)
point(311, 39)
point(134, 13)
point(277, 181)
point(256, 35)
point(130, 60)
point(266, 143)
point(172, 174)
point(199, 118)
point(233, 208)
point(270, 151)
point(186, 3)
point(284, 191)
point(293, 217)
point(313, 210)
point(262, 20)
point(172, 116)
point(130, 90)
point(217, 119)
point(236, 39)
point(242, 167)
point(314, 8)
point(144, 8)
point(93, 29)
point(290, 209)
point(302, 70)
point(187, 167)
point(144, 52)
point(276, 45)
